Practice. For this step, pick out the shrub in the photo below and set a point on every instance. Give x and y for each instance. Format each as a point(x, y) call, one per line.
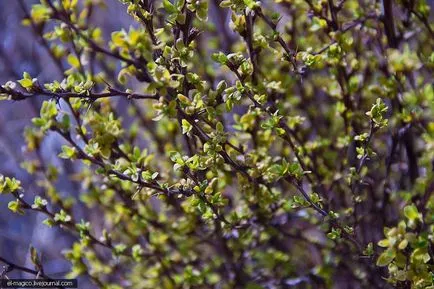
point(290, 148)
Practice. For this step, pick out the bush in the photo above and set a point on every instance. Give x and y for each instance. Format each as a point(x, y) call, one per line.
point(290, 148)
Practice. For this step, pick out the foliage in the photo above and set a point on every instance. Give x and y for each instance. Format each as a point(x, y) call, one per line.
point(293, 147)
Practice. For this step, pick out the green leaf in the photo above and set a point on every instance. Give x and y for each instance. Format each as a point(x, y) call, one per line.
point(34, 257)
point(202, 11)
point(68, 152)
point(226, 4)
point(73, 61)
point(369, 250)
point(169, 7)
point(183, 99)
point(26, 83)
point(39, 203)
point(411, 212)
point(386, 257)
point(49, 222)
point(384, 243)
point(83, 227)
point(335, 234)
point(119, 249)
point(137, 252)
point(48, 110)
point(9, 185)
point(220, 57)
point(175, 156)
point(62, 217)
point(15, 206)
point(186, 126)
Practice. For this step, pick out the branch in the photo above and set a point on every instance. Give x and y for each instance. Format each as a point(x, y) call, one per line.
point(112, 92)
point(389, 25)
point(12, 266)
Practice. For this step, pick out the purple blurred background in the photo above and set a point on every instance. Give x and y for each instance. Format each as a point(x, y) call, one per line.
point(19, 52)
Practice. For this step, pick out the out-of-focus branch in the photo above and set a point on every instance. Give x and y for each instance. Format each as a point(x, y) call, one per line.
point(10, 266)
point(112, 92)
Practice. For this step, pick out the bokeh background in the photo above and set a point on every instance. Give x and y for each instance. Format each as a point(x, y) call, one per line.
point(20, 51)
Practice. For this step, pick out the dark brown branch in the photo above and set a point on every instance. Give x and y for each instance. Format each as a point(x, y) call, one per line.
point(12, 266)
point(18, 95)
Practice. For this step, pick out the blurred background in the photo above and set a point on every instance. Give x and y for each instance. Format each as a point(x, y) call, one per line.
point(20, 51)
